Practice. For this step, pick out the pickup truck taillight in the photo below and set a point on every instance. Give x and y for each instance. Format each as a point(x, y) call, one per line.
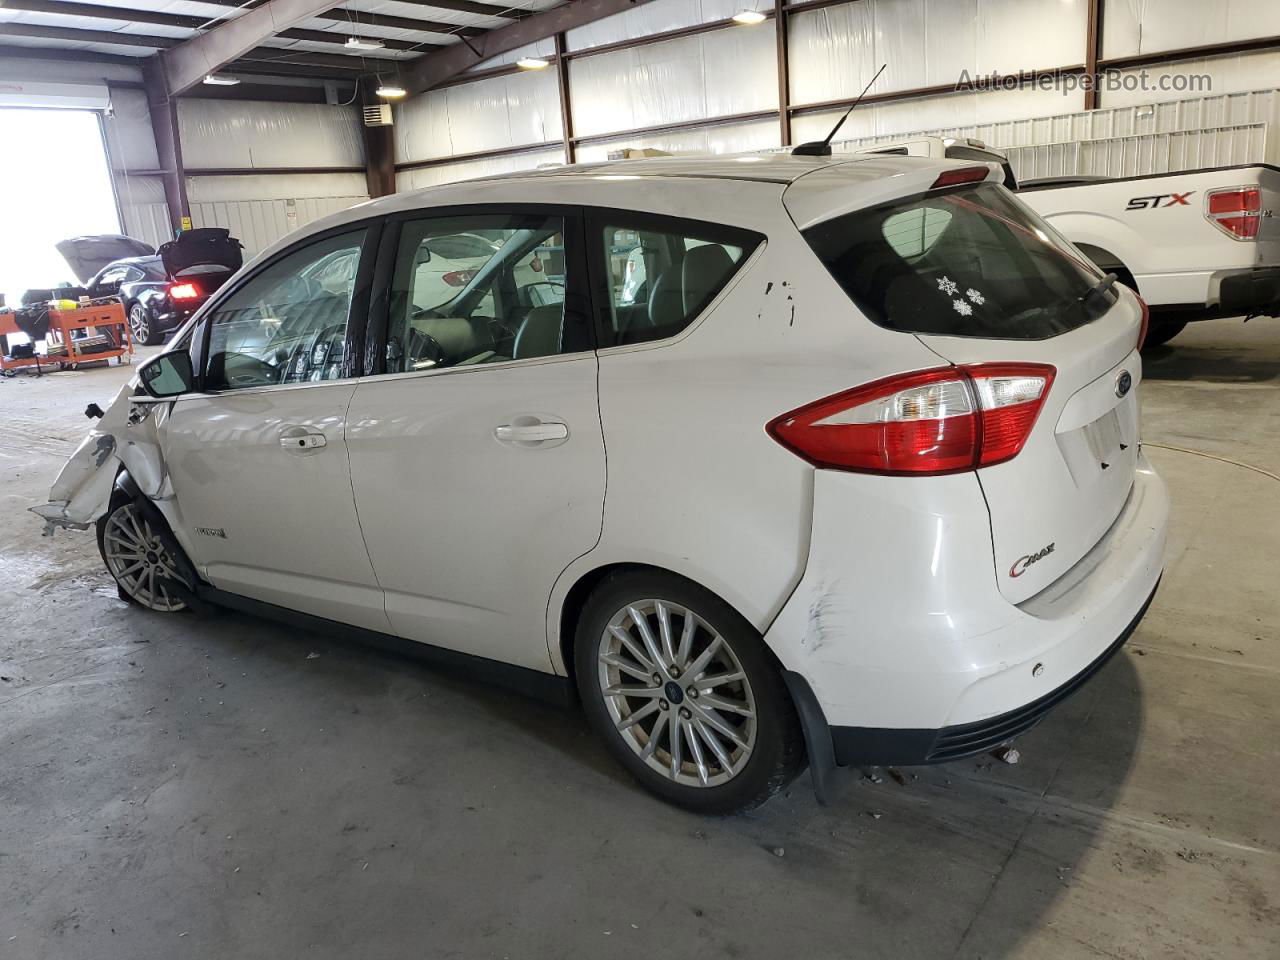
point(925, 423)
point(1236, 211)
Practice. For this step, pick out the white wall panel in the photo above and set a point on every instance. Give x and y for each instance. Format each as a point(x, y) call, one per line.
point(716, 74)
point(835, 51)
point(143, 208)
point(953, 110)
point(511, 111)
point(1149, 26)
point(127, 126)
point(470, 169)
point(1240, 72)
point(730, 138)
point(249, 134)
point(260, 209)
point(658, 16)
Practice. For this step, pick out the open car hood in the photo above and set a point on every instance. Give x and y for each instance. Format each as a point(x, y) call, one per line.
point(205, 246)
point(87, 255)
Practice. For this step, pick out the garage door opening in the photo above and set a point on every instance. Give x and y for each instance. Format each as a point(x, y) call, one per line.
point(57, 184)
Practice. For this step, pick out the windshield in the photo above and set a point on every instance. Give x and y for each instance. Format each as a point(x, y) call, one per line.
point(970, 262)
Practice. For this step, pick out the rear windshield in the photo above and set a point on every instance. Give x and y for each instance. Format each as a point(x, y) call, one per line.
point(969, 262)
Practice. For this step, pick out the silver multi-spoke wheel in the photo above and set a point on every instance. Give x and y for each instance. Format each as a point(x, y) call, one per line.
point(677, 693)
point(138, 559)
point(139, 324)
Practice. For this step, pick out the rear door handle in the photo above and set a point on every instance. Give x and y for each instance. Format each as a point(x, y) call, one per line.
point(530, 431)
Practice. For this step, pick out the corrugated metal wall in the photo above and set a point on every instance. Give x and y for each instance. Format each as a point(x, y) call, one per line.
point(262, 208)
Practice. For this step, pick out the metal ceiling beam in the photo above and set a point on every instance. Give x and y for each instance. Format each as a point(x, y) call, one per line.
point(62, 55)
point(186, 64)
point(435, 68)
point(85, 36)
point(98, 12)
point(325, 36)
point(360, 19)
point(494, 9)
point(285, 56)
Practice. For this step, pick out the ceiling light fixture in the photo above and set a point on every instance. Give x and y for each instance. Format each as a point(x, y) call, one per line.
point(391, 91)
point(532, 63)
point(363, 43)
point(749, 17)
point(220, 80)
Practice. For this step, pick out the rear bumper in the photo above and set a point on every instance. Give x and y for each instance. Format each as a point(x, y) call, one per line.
point(1253, 291)
point(888, 746)
point(899, 630)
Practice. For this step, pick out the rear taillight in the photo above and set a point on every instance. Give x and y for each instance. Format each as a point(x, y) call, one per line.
point(1236, 211)
point(953, 178)
point(184, 291)
point(458, 278)
point(944, 420)
point(1146, 322)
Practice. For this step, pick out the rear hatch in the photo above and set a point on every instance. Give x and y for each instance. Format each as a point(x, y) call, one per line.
point(205, 258)
point(980, 279)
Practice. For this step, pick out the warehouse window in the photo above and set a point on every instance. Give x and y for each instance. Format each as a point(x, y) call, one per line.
point(662, 274)
point(477, 289)
point(288, 324)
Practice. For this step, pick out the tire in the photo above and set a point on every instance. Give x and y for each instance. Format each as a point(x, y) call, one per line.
point(1161, 333)
point(728, 758)
point(142, 328)
point(136, 557)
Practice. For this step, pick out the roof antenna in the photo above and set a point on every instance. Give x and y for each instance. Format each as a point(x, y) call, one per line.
point(822, 148)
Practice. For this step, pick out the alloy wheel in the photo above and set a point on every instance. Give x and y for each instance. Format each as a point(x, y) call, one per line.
point(139, 561)
point(139, 324)
point(677, 694)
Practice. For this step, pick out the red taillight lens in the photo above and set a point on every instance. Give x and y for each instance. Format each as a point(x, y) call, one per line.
point(1146, 322)
point(945, 420)
point(1236, 211)
point(458, 278)
point(953, 178)
point(184, 291)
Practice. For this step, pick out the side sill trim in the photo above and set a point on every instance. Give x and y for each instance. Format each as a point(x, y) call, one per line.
point(530, 683)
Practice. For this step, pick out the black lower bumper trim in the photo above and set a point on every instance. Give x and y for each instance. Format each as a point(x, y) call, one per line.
point(1257, 291)
point(881, 746)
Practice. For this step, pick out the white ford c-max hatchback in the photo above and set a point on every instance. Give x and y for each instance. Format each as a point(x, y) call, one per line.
point(854, 477)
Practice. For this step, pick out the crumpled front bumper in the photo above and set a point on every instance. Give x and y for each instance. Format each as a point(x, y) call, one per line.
point(125, 437)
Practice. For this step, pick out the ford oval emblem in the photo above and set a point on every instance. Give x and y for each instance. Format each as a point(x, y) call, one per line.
point(1124, 383)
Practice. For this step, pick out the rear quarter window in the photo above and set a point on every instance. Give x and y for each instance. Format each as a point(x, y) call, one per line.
point(970, 262)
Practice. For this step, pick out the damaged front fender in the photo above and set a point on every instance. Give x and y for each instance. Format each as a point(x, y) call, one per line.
point(125, 437)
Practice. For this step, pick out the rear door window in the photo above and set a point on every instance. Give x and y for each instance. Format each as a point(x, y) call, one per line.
point(660, 273)
point(970, 262)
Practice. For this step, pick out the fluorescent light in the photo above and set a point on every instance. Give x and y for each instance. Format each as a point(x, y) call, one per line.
point(749, 17)
point(220, 80)
point(532, 63)
point(363, 43)
point(391, 91)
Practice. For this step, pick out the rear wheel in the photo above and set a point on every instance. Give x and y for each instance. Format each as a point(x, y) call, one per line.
point(685, 695)
point(1164, 332)
point(136, 556)
point(141, 327)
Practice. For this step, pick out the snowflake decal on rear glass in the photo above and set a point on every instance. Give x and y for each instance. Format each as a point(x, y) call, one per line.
point(962, 307)
point(976, 296)
point(948, 286)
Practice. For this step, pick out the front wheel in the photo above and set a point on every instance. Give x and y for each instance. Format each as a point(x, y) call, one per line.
point(684, 694)
point(136, 556)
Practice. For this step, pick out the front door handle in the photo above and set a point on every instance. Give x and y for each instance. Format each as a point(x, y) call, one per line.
point(300, 441)
point(531, 432)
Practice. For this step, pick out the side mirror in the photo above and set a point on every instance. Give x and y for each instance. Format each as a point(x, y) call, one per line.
point(168, 375)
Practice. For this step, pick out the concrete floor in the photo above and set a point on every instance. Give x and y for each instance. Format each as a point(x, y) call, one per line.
point(175, 787)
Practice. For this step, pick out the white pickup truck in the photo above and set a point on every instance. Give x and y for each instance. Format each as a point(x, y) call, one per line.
point(1195, 245)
